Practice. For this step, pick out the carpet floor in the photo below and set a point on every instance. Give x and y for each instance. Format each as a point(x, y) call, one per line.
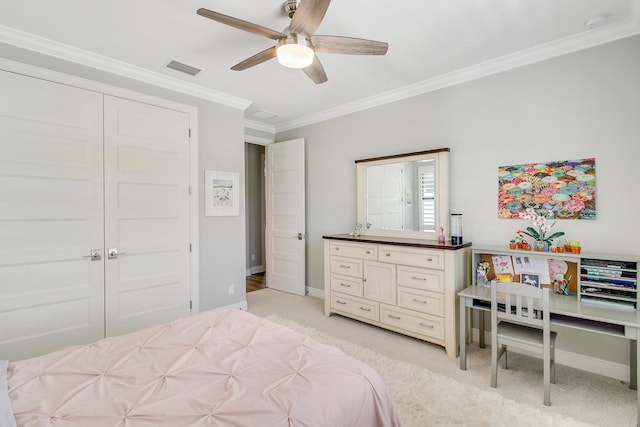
point(424, 398)
point(577, 398)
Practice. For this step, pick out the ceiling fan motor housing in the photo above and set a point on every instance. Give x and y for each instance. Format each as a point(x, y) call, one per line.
point(290, 7)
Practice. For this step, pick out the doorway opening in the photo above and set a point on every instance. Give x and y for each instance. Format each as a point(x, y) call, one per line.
point(255, 216)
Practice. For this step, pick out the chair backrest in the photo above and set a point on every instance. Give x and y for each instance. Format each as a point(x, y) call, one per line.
point(523, 304)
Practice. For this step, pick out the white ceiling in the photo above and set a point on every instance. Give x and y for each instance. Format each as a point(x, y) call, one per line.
point(432, 44)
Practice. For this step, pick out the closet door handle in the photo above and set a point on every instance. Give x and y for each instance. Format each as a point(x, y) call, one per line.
point(113, 253)
point(96, 255)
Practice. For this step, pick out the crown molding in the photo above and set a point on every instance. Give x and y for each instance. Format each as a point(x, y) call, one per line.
point(626, 28)
point(59, 50)
point(261, 126)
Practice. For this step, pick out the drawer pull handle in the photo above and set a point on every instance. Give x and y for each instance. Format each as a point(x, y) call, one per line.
point(336, 248)
point(394, 317)
point(365, 309)
point(387, 254)
point(345, 266)
point(348, 286)
point(426, 326)
point(429, 259)
point(340, 302)
point(420, 301)
point(419, 278)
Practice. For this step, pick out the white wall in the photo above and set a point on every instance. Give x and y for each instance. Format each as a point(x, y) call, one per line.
point(221, 147)
point(585, 104)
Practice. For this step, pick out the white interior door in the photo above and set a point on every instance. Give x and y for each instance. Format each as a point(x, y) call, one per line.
point(285, 206)
point(51, 216)
point(147, 215)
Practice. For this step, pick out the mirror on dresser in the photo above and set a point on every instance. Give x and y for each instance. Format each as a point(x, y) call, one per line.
point(405, 195)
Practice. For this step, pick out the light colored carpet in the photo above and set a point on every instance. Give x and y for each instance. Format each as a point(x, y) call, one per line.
point(424, 398)
point(581, 395)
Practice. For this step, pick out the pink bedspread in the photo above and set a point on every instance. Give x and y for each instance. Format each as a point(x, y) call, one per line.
point(219, 368)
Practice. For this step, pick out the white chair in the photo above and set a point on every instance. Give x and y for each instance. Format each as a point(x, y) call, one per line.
point(522, 323)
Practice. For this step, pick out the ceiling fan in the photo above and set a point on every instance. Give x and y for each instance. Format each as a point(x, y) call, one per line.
point(296, 46)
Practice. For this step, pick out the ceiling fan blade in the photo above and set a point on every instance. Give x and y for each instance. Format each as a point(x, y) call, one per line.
point(315, 71)
point(308, 16)
point(256, 59)
point(348, 45)
point(240, 24)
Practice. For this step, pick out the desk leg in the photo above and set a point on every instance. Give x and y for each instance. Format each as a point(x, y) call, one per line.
point(481, 328)
point(633, 364)
point(463, 333)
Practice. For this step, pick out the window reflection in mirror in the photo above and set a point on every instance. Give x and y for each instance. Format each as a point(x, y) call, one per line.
point(405, 195)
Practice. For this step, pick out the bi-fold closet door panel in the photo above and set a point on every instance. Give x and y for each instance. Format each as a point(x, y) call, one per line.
point(51, 216)
point(146, 215)
point(81, 171)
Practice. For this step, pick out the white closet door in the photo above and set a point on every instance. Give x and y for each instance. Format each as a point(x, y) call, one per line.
point(147, 215)
point(51, 216)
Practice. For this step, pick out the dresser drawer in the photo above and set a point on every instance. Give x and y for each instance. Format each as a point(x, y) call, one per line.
point(422, 301)
point(422, 324)
point(411, 256)
point(346, 266)
point(421, 278)
point(361, 251)
point(358, 307)
point(346, 285)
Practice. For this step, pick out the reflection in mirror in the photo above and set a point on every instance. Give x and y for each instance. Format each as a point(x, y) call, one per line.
point(404, 196)
point(401, 196)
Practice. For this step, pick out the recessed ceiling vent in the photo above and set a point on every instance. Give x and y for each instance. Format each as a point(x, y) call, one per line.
point(262, 115)
point(183, 68)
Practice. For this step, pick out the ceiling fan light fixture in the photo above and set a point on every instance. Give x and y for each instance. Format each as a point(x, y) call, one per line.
point(295, 52)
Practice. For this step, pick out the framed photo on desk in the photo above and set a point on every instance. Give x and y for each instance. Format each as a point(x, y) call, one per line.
point(531, 279)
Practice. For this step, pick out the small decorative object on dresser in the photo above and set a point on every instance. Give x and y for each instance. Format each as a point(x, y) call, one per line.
point(405, 285)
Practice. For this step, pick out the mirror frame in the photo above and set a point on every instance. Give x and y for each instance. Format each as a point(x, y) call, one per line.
point(441, 157)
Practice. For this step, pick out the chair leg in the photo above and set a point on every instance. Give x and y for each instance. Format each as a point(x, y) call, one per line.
point(553, 366)
point(547, 377)
point(494, 365)
point(504, 356)
point(547, 390)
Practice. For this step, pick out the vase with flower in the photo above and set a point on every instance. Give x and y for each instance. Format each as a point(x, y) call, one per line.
point(540, 230)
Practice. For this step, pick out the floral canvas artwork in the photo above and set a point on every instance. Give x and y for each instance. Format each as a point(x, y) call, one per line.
point(557, 190)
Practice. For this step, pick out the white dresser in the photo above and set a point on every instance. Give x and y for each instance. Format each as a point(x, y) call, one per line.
point(406, 285)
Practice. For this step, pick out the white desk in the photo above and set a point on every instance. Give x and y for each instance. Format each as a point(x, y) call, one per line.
point(565, 311)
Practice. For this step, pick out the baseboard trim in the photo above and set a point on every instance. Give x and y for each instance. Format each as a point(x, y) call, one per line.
point(242, 305)
point(315, 292)
point(594, 365)
point(254, 270)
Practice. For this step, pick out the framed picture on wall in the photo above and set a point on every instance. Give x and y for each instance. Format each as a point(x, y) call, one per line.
point(221, 193)
point(531, 279)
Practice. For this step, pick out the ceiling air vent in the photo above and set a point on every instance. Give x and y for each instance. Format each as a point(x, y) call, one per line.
point(262, 115)
point(183, 68)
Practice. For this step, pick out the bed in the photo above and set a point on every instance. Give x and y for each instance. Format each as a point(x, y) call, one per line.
point(218, 368)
